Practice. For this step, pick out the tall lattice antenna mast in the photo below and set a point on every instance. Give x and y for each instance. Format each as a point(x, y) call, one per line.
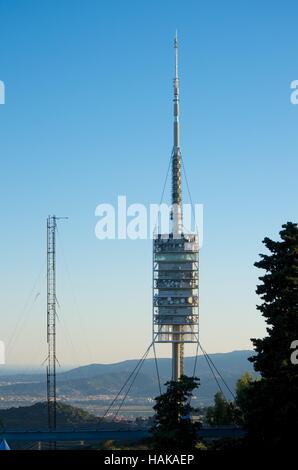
point(51, 320)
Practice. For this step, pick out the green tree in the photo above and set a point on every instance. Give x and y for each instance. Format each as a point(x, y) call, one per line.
point(174, 428)
point(270, 404)
point(243, 387)
point(222, 413)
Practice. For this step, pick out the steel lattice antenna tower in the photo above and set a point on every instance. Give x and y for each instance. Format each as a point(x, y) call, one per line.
point(51, 320)
point(175, 265)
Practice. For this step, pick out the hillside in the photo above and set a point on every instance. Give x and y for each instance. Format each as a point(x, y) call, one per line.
point(36, 417)
point(231, 363)
point(106, 379)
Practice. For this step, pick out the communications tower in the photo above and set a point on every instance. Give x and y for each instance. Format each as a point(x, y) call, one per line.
point(175, 265)
point(51, 319)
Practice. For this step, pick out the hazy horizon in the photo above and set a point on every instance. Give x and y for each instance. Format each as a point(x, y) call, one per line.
point(15, 368)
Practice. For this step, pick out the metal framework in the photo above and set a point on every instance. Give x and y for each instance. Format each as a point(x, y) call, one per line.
point(175, 266)
point(51, 320)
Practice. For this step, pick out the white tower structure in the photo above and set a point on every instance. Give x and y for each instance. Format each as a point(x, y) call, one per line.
point(175, 266)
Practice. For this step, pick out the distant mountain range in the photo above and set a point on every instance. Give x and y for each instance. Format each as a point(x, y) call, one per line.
point(106, 379)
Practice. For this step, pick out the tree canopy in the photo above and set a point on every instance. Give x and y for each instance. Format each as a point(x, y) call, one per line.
point(174, 428)
point(270, 404)
point(222, 412)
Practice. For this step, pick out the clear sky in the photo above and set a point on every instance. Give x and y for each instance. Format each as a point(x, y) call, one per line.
point(88, 116)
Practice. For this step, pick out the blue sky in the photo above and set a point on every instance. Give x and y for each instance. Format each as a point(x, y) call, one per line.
point(88, 117)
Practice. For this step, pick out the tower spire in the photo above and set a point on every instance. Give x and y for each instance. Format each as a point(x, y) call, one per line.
point(176, 96)
point(176, 213)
